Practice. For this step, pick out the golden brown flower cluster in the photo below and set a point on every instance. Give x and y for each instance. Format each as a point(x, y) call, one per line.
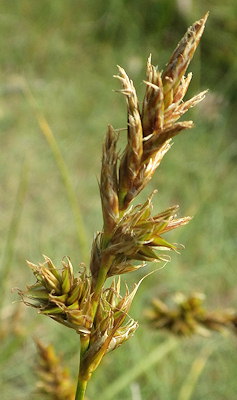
point(53, 378)
point(60, 295)
point(189, 317)
point(68, 300)
point(132, 233)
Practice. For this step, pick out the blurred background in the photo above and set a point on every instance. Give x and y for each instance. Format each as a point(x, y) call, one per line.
point(64, 55)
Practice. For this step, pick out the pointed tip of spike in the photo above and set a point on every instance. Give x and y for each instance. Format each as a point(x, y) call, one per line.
point(205, 16)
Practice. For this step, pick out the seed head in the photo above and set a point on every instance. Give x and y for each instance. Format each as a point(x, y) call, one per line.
point(189, 317)
point(139, 235)
point(150, 131)
point(109, 183)
point(54, 379)
point(60, 295)
point(109, 329)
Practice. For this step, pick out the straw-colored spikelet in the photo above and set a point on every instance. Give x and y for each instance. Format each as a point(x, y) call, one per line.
point(189, 317)
point(109, 329)
point(60, 295)
point(137, 236)
point(149, 131)
point(109, 183)
point(54, 379)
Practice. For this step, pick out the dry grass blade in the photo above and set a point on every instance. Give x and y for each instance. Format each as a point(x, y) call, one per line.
point(65, 175)
point(138, 370)
point(191, 381)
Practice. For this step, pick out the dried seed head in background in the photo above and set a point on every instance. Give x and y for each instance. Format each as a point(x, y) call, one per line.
point(188, 316)
point(54, 379)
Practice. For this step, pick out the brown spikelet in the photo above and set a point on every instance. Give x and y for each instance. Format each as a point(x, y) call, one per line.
point(181, 58)
point(54, 379)
point(155, 143)
point(149, 132)
point(60, 295)
point(131, 159)
point(109, 329)
point(189, 317)
point(153, 103)
point(108, 182)
point(139, 236)
point(96, 254)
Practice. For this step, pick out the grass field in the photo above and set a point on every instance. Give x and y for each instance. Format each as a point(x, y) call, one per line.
point(64, 55)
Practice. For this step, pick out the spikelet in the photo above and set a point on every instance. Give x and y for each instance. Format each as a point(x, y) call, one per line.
point(149, 134)
point(54, 379)
point(60, 295)
point(150, 130)
point(109, 329)
point(108, 183)
point(180, 59)
point(131, 159)
point(139, 235)
point(189, 317)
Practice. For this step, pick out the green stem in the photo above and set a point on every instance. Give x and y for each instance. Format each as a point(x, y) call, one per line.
point(82, 382)
point(85, 341)
point(81, 389)
point(102, 276)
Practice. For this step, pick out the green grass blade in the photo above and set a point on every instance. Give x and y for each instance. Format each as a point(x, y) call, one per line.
point(190, 383)
point(12, 232)
point(65, 175)
point(139, 369)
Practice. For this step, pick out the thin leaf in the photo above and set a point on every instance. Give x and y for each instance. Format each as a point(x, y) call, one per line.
point(65, 175)
point(190, 383)
point(139, 369)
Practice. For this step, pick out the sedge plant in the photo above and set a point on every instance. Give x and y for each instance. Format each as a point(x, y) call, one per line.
point(131, 236)
point(188, 316)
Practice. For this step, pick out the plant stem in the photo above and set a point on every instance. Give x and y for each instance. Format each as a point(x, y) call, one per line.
point(102, 276)
point(154, 357)
point(81, 389)
point(82, 382)
point(192, 377)
point(85, 341)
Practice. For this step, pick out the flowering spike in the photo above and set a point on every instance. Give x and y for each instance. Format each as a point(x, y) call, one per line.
point(65, 299)
point(108, 182)
point(181, 58)
point(190, 317)
point(53, 379)
point(132, 155)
